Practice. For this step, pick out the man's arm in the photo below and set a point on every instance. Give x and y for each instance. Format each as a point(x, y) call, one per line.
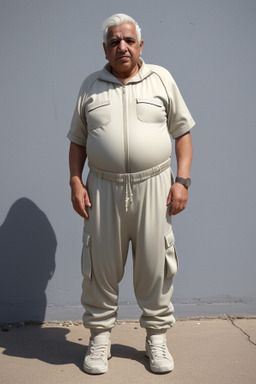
point(178, 195)
point(79, 195)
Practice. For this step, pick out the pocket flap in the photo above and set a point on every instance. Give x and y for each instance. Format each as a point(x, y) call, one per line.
point(155, 102)
point(99, 104)
point(169, 239)
point(86, 238)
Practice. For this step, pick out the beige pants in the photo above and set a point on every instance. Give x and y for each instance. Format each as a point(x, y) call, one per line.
point(107, 233)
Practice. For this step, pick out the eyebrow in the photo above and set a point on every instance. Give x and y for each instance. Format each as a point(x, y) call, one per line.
point(119, 38)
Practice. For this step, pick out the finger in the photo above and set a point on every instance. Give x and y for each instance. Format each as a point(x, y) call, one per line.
point(81, 211)
point(175, 206)
point(176, 209)
point(169, 198)
point(84, 212)
point(87, 201)
point(173, 211)
point(79, 207)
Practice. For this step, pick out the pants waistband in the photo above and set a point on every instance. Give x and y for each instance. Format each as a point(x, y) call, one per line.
point(133, 177)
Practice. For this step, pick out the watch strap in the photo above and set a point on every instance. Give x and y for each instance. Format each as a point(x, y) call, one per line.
point(186, 182)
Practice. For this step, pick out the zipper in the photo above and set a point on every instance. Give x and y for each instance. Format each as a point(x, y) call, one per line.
point(125, 131)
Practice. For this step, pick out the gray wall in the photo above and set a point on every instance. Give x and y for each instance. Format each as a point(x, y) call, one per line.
point(47, 48)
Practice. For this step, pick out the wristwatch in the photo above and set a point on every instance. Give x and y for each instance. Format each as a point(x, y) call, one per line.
point(185, 182)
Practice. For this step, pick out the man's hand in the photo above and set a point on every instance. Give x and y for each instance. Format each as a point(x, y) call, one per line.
point(178, 198)
point(80, 198)
point(79, 194)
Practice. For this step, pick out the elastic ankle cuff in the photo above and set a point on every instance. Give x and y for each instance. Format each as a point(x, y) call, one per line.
point(153, 331)
point(103, 332)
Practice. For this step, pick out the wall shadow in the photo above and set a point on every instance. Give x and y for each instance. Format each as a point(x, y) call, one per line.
point(27, 262)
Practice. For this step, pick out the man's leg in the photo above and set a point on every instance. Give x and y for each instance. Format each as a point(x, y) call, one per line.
point(103, 259)
point(104, 253)
point(155, 264)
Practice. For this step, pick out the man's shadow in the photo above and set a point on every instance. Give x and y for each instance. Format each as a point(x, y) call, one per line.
point(27, 262)
point(51, 345)
point(47, 344)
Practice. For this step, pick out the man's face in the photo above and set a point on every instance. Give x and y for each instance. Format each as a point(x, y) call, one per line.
point(123, 49)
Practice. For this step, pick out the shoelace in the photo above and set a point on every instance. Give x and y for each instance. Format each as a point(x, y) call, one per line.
point(158, 351)
point(97, 351)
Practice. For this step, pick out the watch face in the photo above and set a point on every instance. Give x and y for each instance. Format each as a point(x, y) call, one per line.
point(188, 182)
point(185, 182)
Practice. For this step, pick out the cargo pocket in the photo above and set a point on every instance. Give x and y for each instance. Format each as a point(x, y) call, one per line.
point(171, 257)
point(86, 255)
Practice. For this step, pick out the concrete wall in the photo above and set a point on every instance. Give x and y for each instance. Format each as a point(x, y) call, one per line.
point(47, 48)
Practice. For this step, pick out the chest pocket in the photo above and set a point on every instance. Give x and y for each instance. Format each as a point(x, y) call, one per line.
point(150, 111)
point(98, 114)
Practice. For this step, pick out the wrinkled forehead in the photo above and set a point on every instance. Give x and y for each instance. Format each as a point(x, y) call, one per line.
point(121, 31)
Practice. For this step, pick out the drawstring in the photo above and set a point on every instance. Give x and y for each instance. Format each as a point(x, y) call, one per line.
point(130, 178)
point(128, 192)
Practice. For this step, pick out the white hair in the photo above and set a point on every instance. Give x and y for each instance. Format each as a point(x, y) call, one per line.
point(117, 19)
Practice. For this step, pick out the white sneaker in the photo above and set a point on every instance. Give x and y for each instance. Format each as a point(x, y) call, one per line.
point(160, 359)
point(98, 353)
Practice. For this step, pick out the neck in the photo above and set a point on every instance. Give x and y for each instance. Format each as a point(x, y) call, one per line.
point(125, 77)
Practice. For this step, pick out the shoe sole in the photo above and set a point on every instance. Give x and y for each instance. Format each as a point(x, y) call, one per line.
point(162, 369)
point(95, 371)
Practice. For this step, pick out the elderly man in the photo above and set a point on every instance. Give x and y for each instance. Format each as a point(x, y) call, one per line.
point(122, 122)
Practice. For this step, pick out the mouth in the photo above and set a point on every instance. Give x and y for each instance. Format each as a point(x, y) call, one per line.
point(124, 58)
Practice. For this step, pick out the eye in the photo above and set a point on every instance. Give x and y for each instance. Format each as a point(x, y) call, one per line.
point(130, 41)
point(114, 43)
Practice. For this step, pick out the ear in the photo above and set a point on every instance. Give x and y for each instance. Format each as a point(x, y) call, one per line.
point(105, 50)
point(141, 45)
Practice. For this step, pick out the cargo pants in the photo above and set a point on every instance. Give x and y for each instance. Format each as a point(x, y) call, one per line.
point(112, 225)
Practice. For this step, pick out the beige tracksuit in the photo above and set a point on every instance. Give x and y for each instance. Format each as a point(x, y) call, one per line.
point(126, 130)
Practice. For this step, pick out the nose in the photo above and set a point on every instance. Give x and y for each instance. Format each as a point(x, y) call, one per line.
point(122, 46)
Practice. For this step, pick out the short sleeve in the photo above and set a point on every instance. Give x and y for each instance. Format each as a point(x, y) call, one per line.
point(78, 128)
point(180, 120)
